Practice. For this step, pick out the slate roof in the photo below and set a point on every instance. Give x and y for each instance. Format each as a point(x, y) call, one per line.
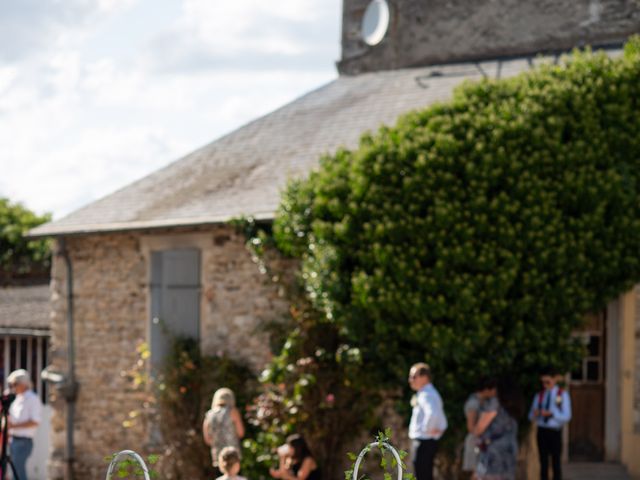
point(24, 310)
point(243, 172)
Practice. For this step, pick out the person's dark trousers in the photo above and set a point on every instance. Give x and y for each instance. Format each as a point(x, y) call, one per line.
point(425, 453)
point(550, 445)
point(20, 449)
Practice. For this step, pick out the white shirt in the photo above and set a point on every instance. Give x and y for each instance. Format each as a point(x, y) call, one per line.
point(428, 415)
point(557, 402)
point(25, 407)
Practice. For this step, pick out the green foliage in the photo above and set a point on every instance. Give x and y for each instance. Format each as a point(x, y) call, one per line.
point(175, 399)
point(259, 233)
point(476, 234)
point(388, 461)
point(130, 468)
point(316, 384)
point(20, 257)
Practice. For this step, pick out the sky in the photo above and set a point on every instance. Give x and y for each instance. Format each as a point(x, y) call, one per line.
point(95, 94)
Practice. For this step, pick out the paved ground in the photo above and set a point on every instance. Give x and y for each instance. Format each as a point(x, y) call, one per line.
point(595, 471)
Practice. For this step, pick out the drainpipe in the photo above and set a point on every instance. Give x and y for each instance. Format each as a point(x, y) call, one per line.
point(68, 388)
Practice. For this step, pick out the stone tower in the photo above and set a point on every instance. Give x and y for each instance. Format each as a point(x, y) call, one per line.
point(392, 34)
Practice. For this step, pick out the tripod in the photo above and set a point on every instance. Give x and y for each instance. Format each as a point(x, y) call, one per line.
point(5, 458)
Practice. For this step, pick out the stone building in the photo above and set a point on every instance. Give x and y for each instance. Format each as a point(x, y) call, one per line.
point(24, 343)
point(160, 248)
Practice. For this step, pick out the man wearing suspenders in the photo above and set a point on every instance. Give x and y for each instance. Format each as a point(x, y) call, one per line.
point(550, 410)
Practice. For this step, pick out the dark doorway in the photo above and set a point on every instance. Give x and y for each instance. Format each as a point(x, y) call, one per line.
point(586, 430)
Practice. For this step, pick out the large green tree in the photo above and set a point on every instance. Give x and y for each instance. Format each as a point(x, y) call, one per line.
point(20, 257)
point(477, 233)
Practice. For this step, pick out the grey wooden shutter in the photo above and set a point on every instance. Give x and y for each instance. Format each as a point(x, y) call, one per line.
point(175, 299)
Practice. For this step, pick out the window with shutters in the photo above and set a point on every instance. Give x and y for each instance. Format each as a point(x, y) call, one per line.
point(175, 299)
point(30, 352)
point(592, 336)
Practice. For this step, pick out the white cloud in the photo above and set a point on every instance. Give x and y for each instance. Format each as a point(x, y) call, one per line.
point(29, 27)
point(76, 124)
point(242, 24)
point(7, 77)
point(245, 33)
point(110, 6)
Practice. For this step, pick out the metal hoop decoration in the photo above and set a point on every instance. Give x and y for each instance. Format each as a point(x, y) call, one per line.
point(366, 449)
point(127, 453)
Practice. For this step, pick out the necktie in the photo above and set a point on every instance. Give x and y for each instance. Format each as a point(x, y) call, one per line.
point(547, 404)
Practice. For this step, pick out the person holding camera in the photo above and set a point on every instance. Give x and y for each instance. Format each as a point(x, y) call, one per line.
point(25, 414)
point(296, 461)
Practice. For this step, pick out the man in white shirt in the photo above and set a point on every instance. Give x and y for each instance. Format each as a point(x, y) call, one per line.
point(550, 410)
point(25, 414)
point(428, 421)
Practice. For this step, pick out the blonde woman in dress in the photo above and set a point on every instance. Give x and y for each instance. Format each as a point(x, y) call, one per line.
point(222, 426)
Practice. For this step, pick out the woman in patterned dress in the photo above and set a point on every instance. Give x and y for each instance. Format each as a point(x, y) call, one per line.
point(483, 399)
point(497, 431)
point(222, 426)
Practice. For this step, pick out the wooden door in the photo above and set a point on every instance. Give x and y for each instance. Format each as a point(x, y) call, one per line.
point(586, 429)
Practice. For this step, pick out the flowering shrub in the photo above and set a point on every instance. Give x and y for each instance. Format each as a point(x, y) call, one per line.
point(476, 234)
point(316, 386)
point(175, 399)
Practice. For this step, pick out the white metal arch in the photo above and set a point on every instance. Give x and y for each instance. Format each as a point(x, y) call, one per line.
point(127, 453)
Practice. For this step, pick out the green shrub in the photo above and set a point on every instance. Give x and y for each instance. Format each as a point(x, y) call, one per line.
point(315, 385)
point(174, 400)
point(476, 234)
point(21, 259)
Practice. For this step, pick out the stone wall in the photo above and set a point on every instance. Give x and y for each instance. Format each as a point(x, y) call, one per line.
point(443, 31)
point(111, 288)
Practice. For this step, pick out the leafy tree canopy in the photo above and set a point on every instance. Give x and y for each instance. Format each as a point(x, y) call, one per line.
point(476, 234)
point(19, 256)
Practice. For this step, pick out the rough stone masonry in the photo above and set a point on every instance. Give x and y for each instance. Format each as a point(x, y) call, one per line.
point(111, 295)
point(427, 32)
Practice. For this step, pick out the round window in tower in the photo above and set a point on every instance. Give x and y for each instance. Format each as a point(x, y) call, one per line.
point(375, 22)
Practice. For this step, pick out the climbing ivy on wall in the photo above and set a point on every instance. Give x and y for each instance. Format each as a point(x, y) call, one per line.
point(476, 234)
point(172, 404)
point(315, 384)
